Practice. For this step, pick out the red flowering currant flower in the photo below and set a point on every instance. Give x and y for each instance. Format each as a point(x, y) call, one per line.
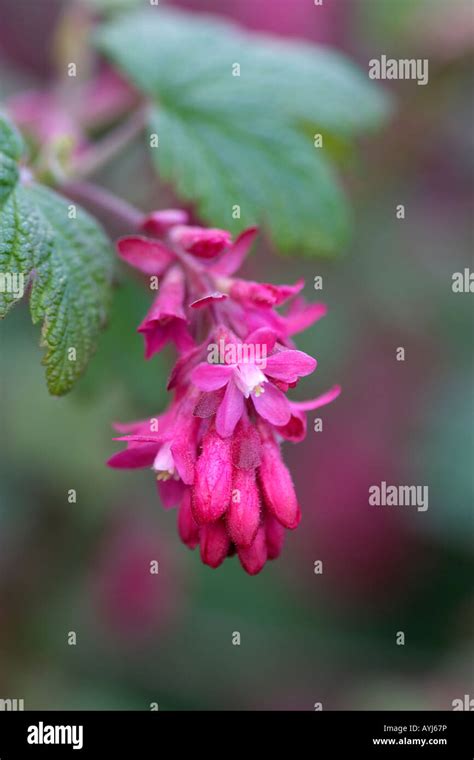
point(216, 450)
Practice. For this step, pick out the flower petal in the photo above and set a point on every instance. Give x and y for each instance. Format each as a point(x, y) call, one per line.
point(134, 457)
point(233, 258)
point(263, 336)
point(206, 300)
point(315, 403)
point(149, 256)
point(230, 410)
point(272, 405)
point(302, 315)
point(170, 492)
point(288, 365)
point(211, 377)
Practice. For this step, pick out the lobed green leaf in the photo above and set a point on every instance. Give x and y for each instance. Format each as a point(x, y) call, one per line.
point(67, 263)
point(247, 141)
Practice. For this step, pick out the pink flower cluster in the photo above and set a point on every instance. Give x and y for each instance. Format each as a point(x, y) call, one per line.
point(216, 449)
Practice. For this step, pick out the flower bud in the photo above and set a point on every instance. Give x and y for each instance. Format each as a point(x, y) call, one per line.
point(277, 486)
point(243, 515)
point(275, 536)
point(159, 222)
point(215, 543)
point(253, 558)
point(212, 479)
point(201, 242)
point(187, 526)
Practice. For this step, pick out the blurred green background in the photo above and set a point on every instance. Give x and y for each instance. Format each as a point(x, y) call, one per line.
point(305, 638)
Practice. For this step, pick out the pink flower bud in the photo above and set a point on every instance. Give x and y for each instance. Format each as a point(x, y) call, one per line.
point(201, 242)
point(215, 543)
point(246, 447)
point(212, 479)
point(216, 453)
point(159, 222)
point(243, 515)
point(262, 293)
point(277, 485)
point(275, 536)
point(252, 293)
point(187, 526)
point(253, 558)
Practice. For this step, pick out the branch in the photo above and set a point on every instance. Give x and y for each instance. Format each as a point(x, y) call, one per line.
point(97, 155)
point(96, 197)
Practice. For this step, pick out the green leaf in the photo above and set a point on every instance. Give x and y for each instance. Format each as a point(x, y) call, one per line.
point(11, 149)
point(68, 261)
point(273, 178)
point(247, 141)
point(25, 239)
point(72, 290)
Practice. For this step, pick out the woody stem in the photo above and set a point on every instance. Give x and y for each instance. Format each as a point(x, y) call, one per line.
point(99, 199)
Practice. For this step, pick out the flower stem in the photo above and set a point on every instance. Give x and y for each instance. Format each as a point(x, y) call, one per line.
point(102, 200)
point(91, 159)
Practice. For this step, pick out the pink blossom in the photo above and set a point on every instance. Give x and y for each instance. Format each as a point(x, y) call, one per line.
point(260, 294)
point(216, 451)
point(159, 222)
point(201, 242)
point(243, 516)
point(244, 381)
point(167, 320)
point(213, 479)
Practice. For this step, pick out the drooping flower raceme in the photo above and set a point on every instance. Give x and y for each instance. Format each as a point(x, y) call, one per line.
point(215, 451)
